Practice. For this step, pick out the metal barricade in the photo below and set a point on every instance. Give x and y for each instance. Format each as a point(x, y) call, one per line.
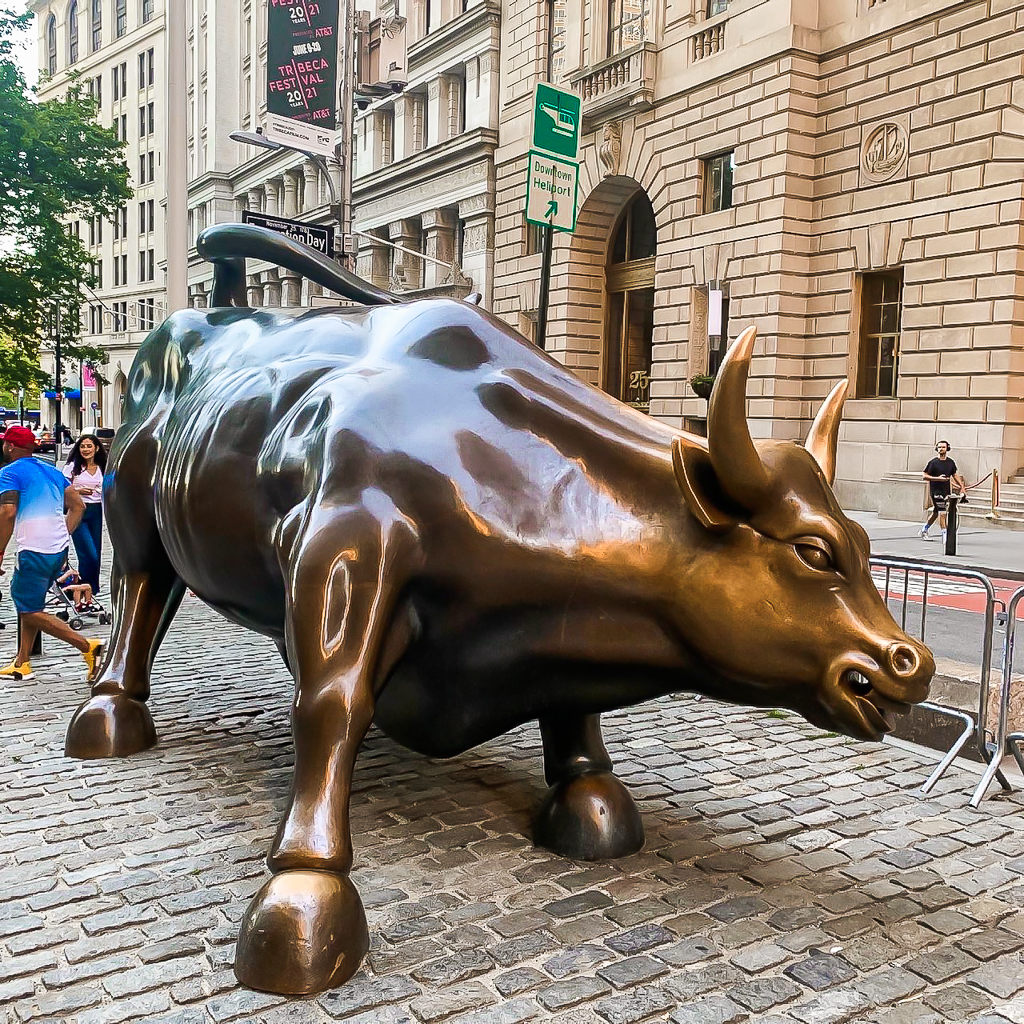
point(1005, 742)
point(990, 753)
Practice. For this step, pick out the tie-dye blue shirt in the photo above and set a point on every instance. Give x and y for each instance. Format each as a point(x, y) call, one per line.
point(40, 524)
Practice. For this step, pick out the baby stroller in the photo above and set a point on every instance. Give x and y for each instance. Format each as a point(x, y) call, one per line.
point(72, 600)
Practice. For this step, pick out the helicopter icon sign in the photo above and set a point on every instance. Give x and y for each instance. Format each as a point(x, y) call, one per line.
point(556, 121)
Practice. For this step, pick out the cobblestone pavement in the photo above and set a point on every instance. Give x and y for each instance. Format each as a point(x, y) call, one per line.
point(789, 875)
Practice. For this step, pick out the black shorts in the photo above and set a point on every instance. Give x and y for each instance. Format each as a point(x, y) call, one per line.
point(939, 502)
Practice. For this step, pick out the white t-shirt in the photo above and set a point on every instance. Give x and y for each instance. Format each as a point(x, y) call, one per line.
point(87, 479)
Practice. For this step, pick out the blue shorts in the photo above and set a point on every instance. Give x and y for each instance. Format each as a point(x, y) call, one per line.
point(34, 574)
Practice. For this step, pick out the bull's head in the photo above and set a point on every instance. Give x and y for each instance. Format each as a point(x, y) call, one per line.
point(787, 606)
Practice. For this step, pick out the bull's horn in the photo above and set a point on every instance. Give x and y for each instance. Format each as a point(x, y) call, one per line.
point(737, 464)
point(823, 436)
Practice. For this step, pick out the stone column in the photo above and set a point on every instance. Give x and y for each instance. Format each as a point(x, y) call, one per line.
point(291, 290)
point(407, 266)
point(291, 194)
point(255, 291)
point(380, 262)
point(439, 226)
point(404, 141)
point(272, 288)
point(310, 186)
point(271, 188)
point(477, 214)
point(256, 197)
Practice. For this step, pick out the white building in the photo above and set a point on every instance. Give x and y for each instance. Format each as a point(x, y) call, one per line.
point(423, 172)
point(118, 47)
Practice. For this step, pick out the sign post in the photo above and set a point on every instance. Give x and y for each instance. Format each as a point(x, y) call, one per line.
point(302, 74)
point(552, 177)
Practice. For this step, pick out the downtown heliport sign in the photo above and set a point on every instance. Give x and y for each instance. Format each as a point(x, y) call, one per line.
point(302, 74)
point(552, 182)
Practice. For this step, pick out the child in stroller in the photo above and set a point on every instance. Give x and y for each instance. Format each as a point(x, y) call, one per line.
point(75, 600)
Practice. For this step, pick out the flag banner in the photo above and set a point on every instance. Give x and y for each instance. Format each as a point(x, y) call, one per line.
point(302, 74)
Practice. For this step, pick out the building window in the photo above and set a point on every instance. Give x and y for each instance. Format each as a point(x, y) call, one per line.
point(121, 20)
point(533, 238)
point(51, 45)
point(718, 175)
point(97, 24)
point(629, 330)
point(716, 7)
point(149, 66)
point(881, 312)
point(73, 32)
point(147, 10)
point(628, 24)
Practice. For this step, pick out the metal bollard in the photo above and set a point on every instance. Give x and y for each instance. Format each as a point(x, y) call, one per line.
point(951, 520)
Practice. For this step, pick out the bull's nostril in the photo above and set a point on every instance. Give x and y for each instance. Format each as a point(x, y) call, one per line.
point(904, 660)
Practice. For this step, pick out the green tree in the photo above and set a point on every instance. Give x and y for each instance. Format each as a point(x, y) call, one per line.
point(57, 163)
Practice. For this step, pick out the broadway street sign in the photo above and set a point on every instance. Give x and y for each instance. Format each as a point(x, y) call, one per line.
point(302, 74)
point(313, 235)
point(551, 192)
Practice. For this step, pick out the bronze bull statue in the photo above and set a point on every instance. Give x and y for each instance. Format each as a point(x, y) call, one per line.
point(448, 534)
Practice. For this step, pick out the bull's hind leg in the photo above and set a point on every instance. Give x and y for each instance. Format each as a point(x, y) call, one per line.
point(587, 813)
point(114, 721)
point(305, 930)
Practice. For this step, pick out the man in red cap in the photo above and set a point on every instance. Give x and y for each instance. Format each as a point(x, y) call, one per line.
point(33, 497)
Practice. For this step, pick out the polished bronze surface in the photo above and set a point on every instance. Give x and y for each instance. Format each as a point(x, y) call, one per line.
point(449, 534)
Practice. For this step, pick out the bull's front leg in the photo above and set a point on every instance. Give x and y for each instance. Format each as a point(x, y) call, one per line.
point(305, 931)
point(587, 813)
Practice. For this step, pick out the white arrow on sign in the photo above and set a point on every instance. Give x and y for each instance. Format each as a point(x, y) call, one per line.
point(551, 192)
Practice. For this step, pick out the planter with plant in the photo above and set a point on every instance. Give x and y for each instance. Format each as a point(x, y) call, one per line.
point(702, 383)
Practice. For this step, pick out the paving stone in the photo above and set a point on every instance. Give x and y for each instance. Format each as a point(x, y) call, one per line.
point(433, 1006)
point(761, 994)
point(713, 1010)
point(448, 970)
point(143, 979)
point(239, 1004)
point(1003, 977)
point(755, 959)
point(821, 971)
point(576, 959)
point(564, 994)
point(990, 943)
point(581, 903)
point(514, 951)
point(635, 1005)
point(58, 1005)
point(957, 1002)
point(840, 1004)
point(633, 971)
point(520, 980)
point(941, 964)
point(171, 949)
point(512, 1012)
point(640, 939)
point(740, 907)
point(889, 986)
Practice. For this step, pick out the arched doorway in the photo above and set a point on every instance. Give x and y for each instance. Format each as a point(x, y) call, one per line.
point(629, 323)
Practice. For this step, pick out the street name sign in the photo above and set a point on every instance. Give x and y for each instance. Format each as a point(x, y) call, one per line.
point(302, 74)
point(551, 190)
point(557, 114)
point(315, 236)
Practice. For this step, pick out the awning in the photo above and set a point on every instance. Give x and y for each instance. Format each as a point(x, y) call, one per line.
point(73, 394)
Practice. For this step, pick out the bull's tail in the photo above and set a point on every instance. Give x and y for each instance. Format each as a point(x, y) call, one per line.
point(226, 246)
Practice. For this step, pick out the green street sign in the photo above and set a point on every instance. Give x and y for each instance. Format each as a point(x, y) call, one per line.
point(557, 117)
point(551, 188)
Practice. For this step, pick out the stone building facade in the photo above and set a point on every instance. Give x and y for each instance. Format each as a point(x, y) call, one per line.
point(118, 47)
point(847, 175)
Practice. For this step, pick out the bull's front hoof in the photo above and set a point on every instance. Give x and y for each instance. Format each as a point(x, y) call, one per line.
point(110, 725)
point(589, 817)
point(304, 932)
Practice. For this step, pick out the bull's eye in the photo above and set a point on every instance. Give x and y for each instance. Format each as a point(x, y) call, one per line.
point(817, 556)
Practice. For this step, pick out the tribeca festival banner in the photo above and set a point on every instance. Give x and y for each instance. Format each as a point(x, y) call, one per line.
point(302, 74)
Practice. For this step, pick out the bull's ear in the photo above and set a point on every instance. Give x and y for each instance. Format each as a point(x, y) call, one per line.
point(702, 492)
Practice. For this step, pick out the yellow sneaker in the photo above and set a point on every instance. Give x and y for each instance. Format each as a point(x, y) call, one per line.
point(92, 657)
point(22, 671)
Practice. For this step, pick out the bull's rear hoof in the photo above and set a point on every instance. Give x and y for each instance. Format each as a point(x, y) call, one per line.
point(110, 725)
point(589, 817)
point(304, 932)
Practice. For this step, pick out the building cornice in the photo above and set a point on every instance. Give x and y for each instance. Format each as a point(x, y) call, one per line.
point(440, 43)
